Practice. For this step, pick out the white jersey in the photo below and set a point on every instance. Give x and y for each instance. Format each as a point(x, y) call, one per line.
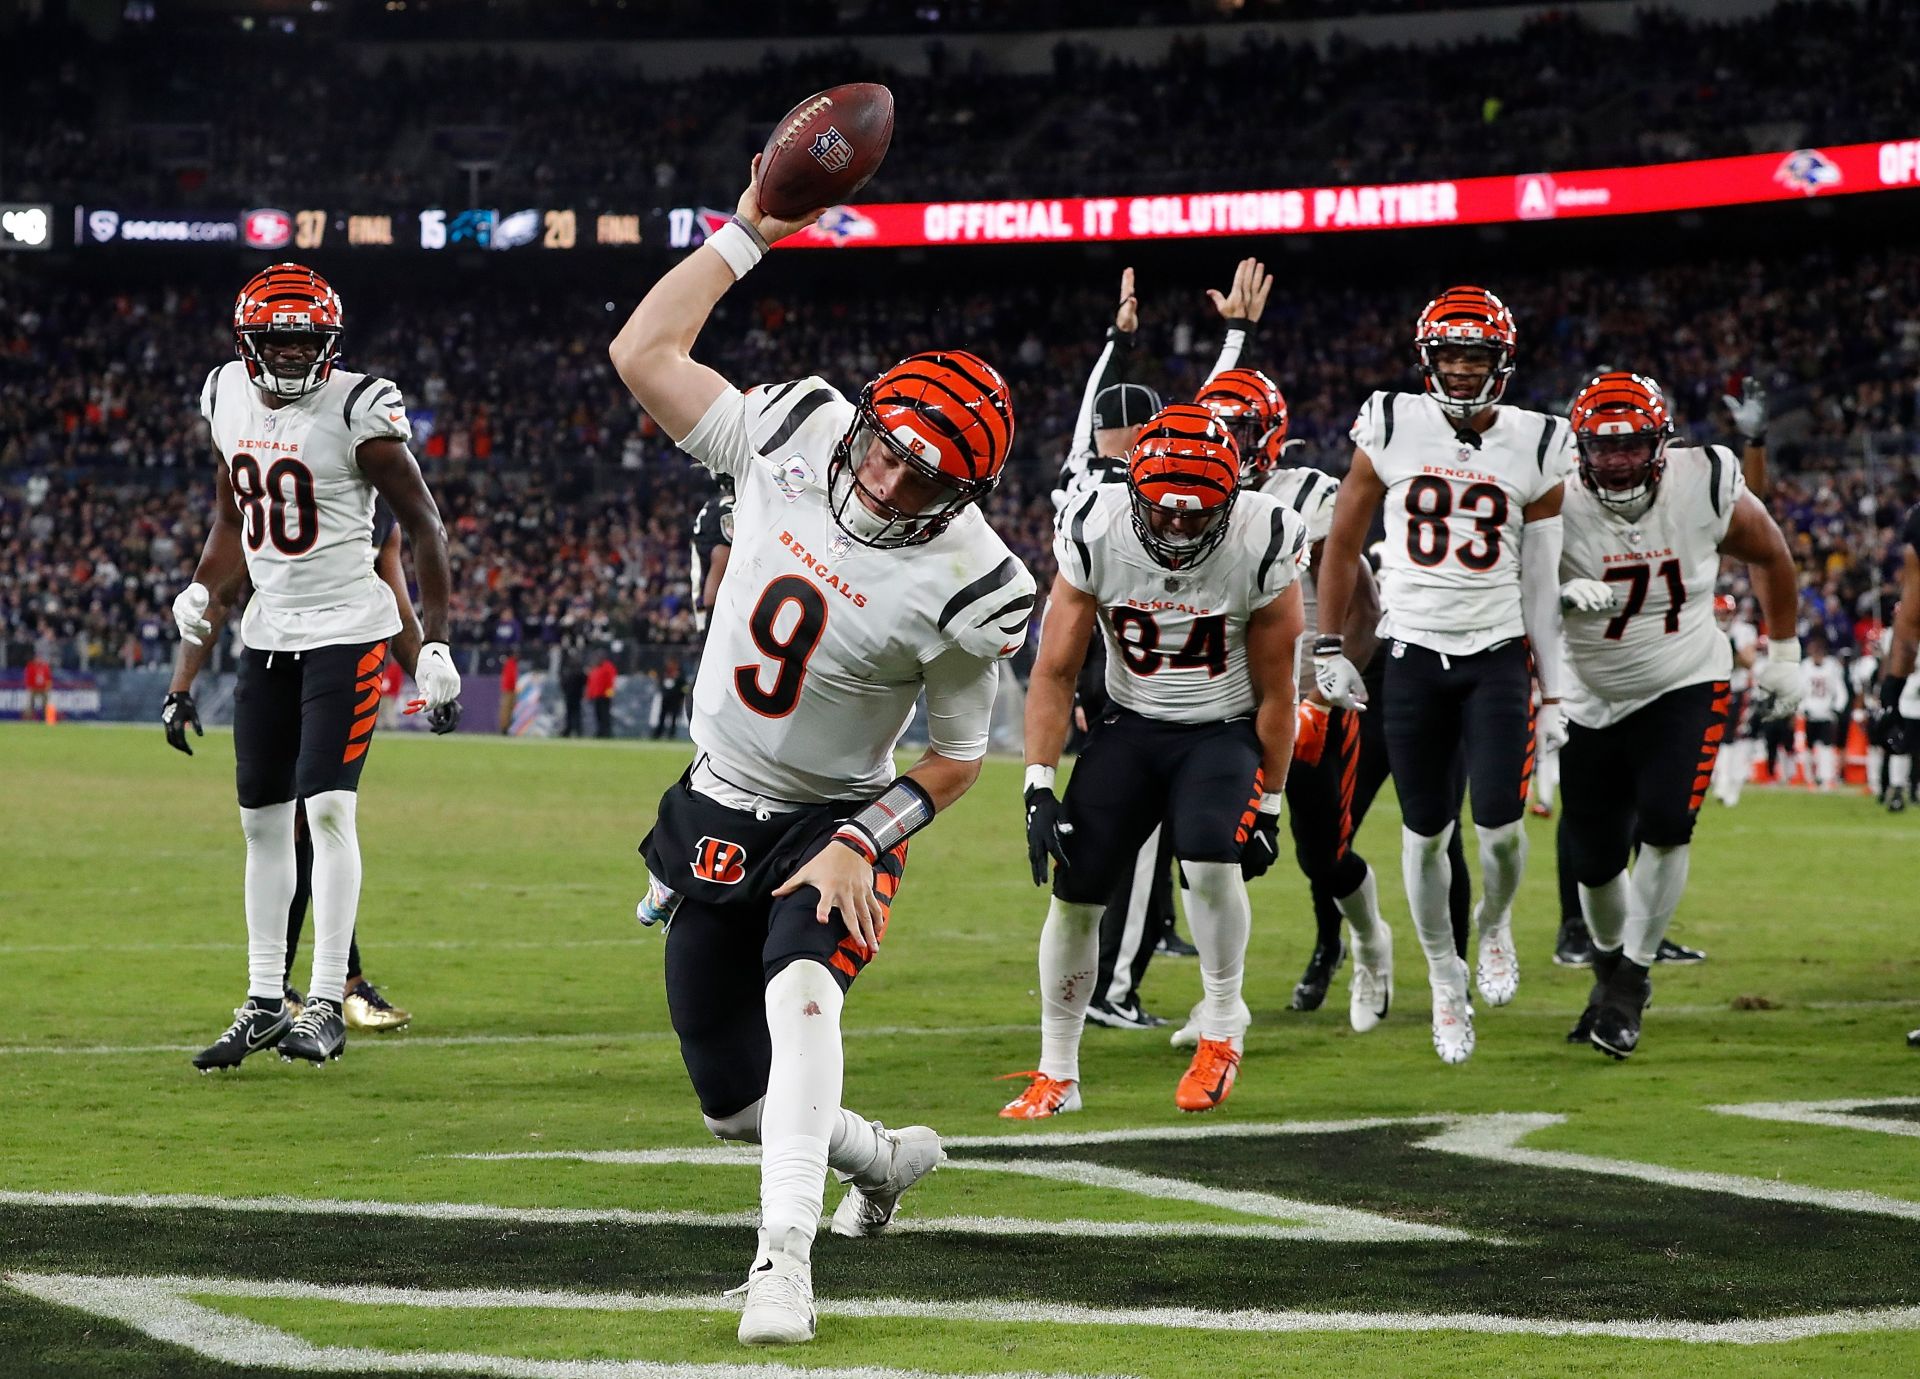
point(819, 646)
point(1660, 634)
point(1177, 639)
point(1455, 510)
point(1864, 676)
point(1742, 636)
point(306, 510)
point(1823, 690)
point(1311, 493)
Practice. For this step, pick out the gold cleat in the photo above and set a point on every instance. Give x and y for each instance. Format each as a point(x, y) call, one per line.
point(366, 1008)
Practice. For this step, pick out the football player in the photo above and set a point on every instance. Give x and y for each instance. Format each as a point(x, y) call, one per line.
point(1824, 702)
point(1646, 526)
point(365, 1006)
point(1900, 692)
point(1472, 492)
point(302, 448)
point(1735, 762)
point(712, 546)
point(863, 575)
point(1192, 584)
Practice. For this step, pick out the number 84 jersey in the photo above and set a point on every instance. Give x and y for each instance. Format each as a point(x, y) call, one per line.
point(306, 510)
point(1455, 512)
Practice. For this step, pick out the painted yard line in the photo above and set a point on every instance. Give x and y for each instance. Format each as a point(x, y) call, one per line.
point(994, 1226)
point(80, 1291)
point(153, 1307)
point(1497, 1138)
point(104, 949)
point(404, 1040)
point(1836, 1114)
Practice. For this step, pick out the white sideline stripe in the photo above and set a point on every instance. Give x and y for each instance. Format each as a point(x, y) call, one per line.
point(1836, 1114)
point(150, 1302)
point(155, 1307)
point(403, 1040)
point(1497, 1137)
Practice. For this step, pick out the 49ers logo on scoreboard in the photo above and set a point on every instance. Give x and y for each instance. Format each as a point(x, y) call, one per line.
point(720, 861)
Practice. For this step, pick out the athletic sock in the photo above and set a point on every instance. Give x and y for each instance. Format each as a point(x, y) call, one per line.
point(1653, 894)
point(853, 1148)
point(1362, 910)
point(336, 888)
point(1220, 918)
point(1429, 879)
point(1069, 965)
point(802, 1105)
point(1503, 858)
point(269, 890)
point(1605, 907)
point(1899, 772)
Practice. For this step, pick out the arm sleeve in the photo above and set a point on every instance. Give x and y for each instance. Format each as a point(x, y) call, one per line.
point(380, 414)
point(1230, 348)
point(1106, 371)
point(960, 690)
point(1540, 544)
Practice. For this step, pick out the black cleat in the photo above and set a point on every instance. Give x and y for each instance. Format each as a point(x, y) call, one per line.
point(1616, 1024)
point(1913, 1038)
point(319, 1035)
point(1311, 989)
point(1677, 953)
point(1574, 948)
point(1130, 1014)
point(1171, 945)
point(1896, 802)
point(254, 1028)
point(1603, 963)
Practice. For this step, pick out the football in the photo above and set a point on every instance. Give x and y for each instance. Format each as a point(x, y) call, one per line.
point(826, 149)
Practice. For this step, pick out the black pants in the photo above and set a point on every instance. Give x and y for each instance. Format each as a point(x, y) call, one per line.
point(603, 716)
point(1452, 715)
point(730, 936)
point(1200, 779)
point(1641, 779)
point(303, 721)
point(673, 703)
point(303, 892)
point(572, 689)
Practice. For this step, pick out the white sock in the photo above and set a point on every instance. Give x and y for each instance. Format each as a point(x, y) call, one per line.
point(802, 1105)
point(1069, 964)
point(1220, 917)
point(271, 876)
point(336, 888)
point(1429, 877)
point(1503, 857)
point(1659, 880)
point(1899, 772)
point(1727, 770)
point(853, 1148)
point(1806, 767)
point(1605, 907)
point(1362, 912)
point(1825, 764)
point(1876, 761)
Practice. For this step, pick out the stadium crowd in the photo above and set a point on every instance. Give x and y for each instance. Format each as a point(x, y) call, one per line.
point(1222, 112)
point(567, 509)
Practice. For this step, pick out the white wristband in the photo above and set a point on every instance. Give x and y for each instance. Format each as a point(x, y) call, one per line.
point(1040, 776)
point(1270, 804)
point(737, 243)
point(1786, 650)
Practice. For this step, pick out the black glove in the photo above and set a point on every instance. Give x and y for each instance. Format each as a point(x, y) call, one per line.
point(1262, 848)
point(445, 718)
point(1045, 831)
point(175, 715)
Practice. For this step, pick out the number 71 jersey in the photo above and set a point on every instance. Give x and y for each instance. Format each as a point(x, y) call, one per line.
point(1455, 510)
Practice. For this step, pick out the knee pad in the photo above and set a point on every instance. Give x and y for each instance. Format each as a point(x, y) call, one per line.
point(801, 984)
point(330, 815)
point(1214, 882)
point(742, 1125)
point(1426, 845)
point(267, 823)
point(1502, 839)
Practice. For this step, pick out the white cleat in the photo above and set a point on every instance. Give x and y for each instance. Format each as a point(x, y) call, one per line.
point(1498, 974)
point(1370, 988)
point(908, 1155)
point(1452, 1014)
point(779, 1309)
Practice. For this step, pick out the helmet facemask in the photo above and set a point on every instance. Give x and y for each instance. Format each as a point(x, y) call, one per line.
point(1500, 369)
point(287, 384)
point(874, 520)
point(1186, 534)
point(1621, 460)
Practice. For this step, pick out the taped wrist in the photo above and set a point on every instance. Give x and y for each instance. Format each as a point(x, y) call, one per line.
point(739, 244)
point(889, 821)
point(1328, 644)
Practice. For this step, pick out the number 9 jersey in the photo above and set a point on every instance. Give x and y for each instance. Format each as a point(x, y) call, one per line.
point(1454, 513)
point(306, 510)
point(819, 646)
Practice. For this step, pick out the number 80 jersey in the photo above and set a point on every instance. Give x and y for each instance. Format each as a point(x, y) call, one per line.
point(1455, 510)
point(306, 510)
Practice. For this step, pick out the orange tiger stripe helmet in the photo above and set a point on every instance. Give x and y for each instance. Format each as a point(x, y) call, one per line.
point(1271, 454)
point(287, 299)
point(1183, 475)
point(948, 415)
point(1248, 402)
point(1622, 426)
point(1473, 317)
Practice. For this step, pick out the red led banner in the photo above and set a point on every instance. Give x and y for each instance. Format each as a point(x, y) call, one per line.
point(1785, 176)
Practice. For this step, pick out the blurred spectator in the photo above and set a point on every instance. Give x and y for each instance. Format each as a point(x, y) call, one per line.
point(600, 683)
point(509, 688)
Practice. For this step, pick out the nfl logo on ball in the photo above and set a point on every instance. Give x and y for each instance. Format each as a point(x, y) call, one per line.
point(831, 150)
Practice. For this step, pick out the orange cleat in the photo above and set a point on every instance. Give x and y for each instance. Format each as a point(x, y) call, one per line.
point(1209, 1078)
point(1045, 1096)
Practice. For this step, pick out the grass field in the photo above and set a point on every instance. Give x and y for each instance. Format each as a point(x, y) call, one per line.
point(1355, 1208)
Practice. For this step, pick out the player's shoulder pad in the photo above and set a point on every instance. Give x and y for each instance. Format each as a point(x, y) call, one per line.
point(1084, 525)
point(987, 615)
point(1379, 415)
point(210, 390)
point(1276, 537)
point(1553, 448)
point(372, 408)
point(1707, 471)
point(776, 412)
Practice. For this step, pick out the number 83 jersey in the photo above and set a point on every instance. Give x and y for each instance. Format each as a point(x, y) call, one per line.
point(1455, 510)
point(818, 646)
point(306, 510)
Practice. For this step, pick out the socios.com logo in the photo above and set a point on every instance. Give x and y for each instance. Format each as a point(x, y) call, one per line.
point(103, 225)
